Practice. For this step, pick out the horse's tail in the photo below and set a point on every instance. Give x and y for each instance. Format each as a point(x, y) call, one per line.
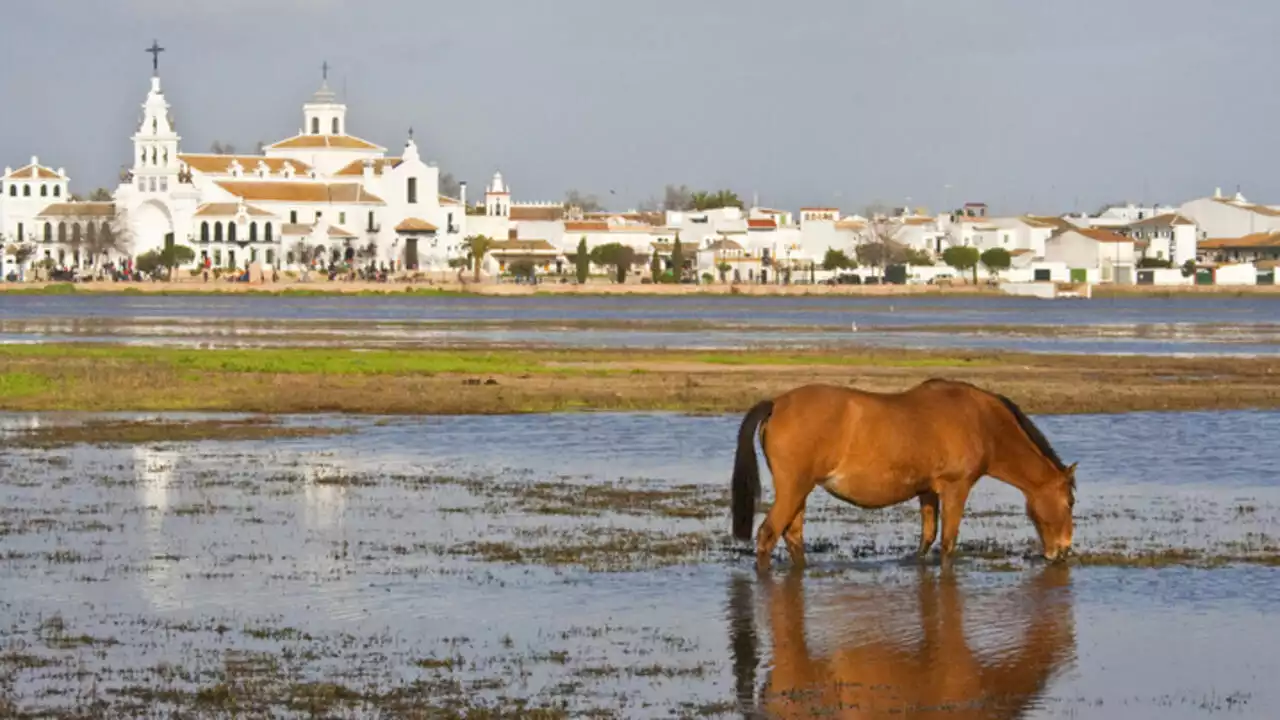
point(746, 470)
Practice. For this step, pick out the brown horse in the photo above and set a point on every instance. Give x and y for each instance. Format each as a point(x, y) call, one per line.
point(900, 648)
point(931, 442)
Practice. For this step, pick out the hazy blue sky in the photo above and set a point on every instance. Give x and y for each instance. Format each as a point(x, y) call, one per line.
point(1025, 105)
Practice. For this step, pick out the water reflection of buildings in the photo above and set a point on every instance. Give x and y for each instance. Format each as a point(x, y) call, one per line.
point(903, 649)
point(324, 495)
point(154, 476)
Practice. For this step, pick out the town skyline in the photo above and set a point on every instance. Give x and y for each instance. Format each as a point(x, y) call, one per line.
point(615, 117)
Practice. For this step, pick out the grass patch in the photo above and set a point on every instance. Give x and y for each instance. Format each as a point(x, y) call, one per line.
point(23, 384)
point(139, 432)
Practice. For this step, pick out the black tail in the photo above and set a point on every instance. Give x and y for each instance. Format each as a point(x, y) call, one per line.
point(746, 471)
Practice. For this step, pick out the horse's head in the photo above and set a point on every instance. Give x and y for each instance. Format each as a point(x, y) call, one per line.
point(1050, 508)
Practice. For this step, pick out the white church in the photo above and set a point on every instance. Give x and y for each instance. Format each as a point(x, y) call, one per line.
point(323, 194)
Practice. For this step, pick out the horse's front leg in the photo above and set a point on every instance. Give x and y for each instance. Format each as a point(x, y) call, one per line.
point(954, 495)
point(928, 521)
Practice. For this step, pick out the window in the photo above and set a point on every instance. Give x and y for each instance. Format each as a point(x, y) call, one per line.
point(164, 184)
point(318, 215)
point(217, 232)
point(315, 126)
point(44, 191)
point(370, 220)
point(253, 254)
point(450, 226)
point(21, 235)
point(342, 218)
point(217, 258)
point(26, 191)
point(253, 232)
point(48, 232)
point(91, 231)
point(335, 126)
point(75, 234)
point(57, 191)
point(13, 190)
point(293, 217)
point(152, 184)
point(267, 232)
point(231, 232)
point(62, 232)
point(271, 257)
point(412, 191)
point(204, 231)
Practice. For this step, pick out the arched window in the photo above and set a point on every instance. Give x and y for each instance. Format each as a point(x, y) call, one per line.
point(62, 232)
point(335, 127)
point(44, 191)
point(412, 190)
point(91, 231)
point(106, 229)
point(315, 126)
point(253, 232)
point(48, 232)
point(217, 232)
point(57, 191)
point(26, 191)
point(75, 234)
point(204, 231)
point(267, 232)
point(231, 232)
point(13, 190)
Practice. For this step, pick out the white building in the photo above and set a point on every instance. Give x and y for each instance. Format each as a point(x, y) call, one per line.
point(1169, 237)
point(1229, 217)
point(322, 194)
point(1094, 254)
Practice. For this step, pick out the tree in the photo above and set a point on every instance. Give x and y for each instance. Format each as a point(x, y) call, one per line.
point(655, 267)
point(677, 197)
point(449, 185)
point(112, 236)
point(100, 195)
point(724, 269)
point(617, 256)
point(912, 256)
point(836, 260)
point(582, 261)
point(995, 260)
point(962, 259)
point(677, 259)
point(879, 246)
point(704, 200)
point(148, 262)
point(1189, 268)
point(21, 252)
point(220, 148)
point(478, 246)
point(522, 268)
point(585, 203)
point(174, 256)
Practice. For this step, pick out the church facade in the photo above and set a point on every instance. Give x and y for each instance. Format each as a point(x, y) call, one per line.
point(323, 195)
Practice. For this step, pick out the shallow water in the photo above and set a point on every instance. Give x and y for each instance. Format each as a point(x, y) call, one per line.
point(358, 559)
point(1219, 326)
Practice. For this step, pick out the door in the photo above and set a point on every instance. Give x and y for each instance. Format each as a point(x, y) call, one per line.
point(1079, 275)
point(411, 253)
point(1043, 275)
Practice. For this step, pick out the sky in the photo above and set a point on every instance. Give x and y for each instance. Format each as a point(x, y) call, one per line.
point(1027, 106)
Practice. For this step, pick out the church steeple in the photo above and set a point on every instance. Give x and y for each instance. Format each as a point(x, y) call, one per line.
point(155, 144)
point(324, 115)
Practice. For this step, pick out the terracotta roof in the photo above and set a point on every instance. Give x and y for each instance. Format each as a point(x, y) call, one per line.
point(719, 245)
point(762, 224)
point(819, 209)
point(1260, 209)
point(770, 211)
point(1165, 220)
point(1048, 221)
point(522, 246)
point(850, 225)
point(1021, 251)
point(586, 226)
point(37, 171)
point(337, 231)
point(918, 221)
point(1095, 234)
point(296, 229)
point(380, 165)
point(79, 209)
point(537, 212)
point(1254, 240)
point(446, 200)
point(333, 142)
point(300, 191)
point(221, 164)
point(414, 224)
point(227, 209)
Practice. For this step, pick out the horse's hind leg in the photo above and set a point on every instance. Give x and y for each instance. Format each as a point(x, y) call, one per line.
point(789, 499)
point(794, 537)
point(928, 521)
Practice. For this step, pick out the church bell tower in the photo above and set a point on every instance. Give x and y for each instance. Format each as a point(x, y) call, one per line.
point(324, 115)
point(155, 145)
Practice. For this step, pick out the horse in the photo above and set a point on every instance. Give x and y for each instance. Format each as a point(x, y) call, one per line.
point(901, 647)
point(931, 442)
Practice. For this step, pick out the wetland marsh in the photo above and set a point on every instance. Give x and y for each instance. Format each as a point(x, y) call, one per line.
point(569, 565)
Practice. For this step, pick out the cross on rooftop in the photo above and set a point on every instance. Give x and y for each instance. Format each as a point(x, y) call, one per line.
point(324, 69)
point(155, 51)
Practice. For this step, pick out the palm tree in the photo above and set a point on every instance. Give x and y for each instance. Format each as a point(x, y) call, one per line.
point(478, 246)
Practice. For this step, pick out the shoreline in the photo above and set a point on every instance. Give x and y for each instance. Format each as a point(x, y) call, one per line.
point(302, 380)
point(324, 288)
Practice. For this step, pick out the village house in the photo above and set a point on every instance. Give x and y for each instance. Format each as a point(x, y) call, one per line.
point(1094, 254)
point(1169, 237)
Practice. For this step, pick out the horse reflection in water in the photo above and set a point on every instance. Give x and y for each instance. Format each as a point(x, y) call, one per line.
point(879, 667)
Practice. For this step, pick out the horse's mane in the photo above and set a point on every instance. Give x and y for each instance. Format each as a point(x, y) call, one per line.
point(1033, 432)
